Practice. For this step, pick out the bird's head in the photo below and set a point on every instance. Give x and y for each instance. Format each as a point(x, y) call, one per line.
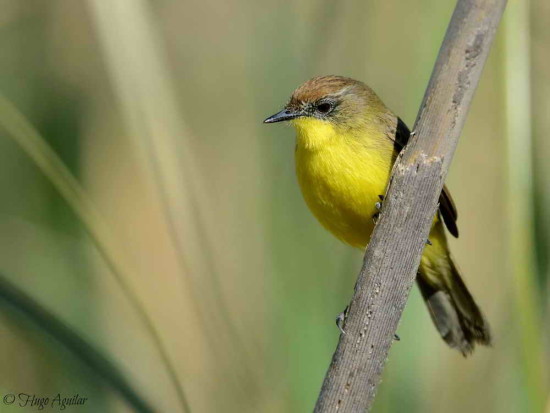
point(331, 102)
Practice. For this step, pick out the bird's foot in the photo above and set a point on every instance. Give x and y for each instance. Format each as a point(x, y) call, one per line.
point(341, 320)
point(378, 206)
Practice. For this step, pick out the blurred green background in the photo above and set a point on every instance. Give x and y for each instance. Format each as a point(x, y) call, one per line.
point(147, 209)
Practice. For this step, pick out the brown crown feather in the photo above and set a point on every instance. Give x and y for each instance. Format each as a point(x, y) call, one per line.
point(321, 86)
point(357, 103)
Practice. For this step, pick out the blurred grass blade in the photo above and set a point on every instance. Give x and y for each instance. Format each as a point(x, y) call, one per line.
point(75, 343)
point(148, 106)
point(143, 84)
point(24, 134)
point(327, 13)
point(521, 250)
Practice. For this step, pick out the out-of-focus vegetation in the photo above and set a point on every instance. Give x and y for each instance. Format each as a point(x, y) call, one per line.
point(190, 212)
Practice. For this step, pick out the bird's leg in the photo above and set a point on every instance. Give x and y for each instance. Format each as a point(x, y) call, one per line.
point(341, 319)
point(378, 206)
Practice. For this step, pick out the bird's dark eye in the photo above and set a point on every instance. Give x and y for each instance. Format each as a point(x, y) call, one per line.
point(324, 107)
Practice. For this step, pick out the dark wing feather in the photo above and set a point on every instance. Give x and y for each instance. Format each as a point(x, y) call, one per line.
point(448, 211)
point(447, 207)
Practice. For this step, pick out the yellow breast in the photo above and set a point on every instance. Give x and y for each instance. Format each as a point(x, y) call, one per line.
point(341, 175)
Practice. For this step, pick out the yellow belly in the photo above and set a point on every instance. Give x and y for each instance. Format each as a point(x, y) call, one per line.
point(341, 178)
point(341, 183)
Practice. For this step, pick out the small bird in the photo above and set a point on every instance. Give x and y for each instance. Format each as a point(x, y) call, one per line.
point(346, 143)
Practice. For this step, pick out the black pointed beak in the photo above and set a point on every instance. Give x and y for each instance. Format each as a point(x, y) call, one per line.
point(285, 114)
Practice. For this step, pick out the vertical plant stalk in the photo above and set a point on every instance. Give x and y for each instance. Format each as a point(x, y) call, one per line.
point(520, 208)
point(539, 32)
point(30, 141)
point(146, 94)
point(396, 246)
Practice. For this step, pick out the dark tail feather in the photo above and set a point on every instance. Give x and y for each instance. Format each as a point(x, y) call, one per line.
point(455, 313)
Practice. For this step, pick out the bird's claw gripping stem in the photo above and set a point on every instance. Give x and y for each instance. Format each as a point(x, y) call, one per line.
point(341, 319)
point(378, 207)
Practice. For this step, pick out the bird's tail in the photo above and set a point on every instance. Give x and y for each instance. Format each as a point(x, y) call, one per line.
point(454, 311)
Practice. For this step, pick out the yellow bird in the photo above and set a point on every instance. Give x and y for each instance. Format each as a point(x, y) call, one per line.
point(346, 143)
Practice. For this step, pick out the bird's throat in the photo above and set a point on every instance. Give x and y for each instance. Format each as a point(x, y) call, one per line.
point(313, 134)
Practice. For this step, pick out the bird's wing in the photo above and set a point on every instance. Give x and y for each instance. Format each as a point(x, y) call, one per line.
point(447, 207)
point(448, 211)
